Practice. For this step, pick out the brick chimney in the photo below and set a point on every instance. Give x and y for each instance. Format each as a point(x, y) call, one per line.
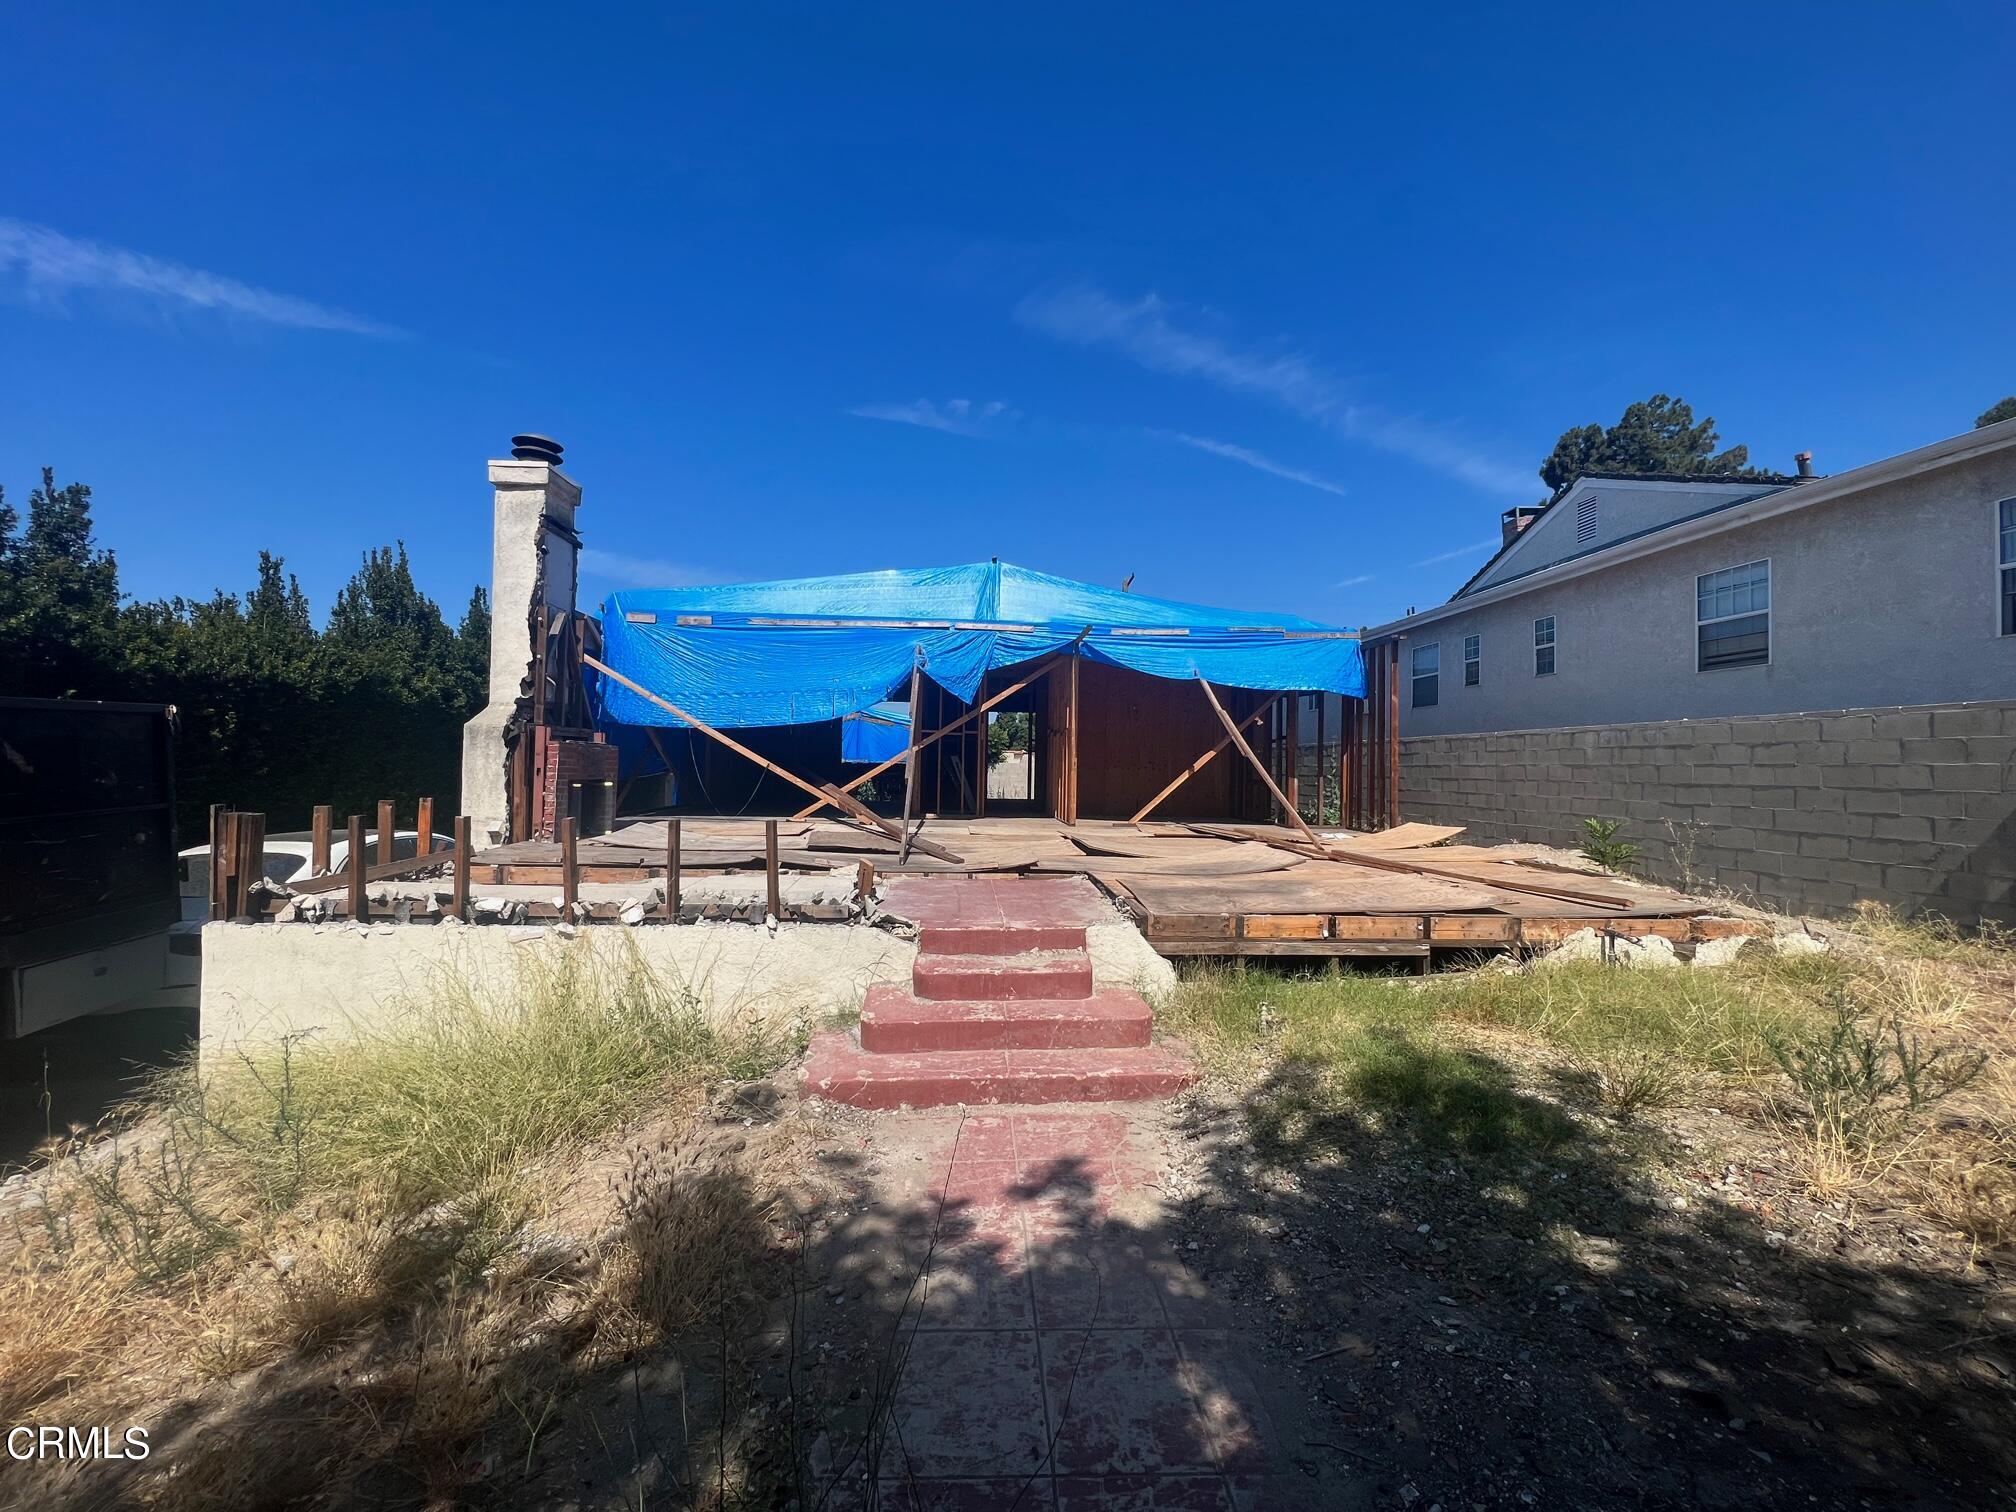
point(1515, 520)
point(533, 556)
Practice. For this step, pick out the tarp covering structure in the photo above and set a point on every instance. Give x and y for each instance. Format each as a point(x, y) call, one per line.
point(746, 655)
point(875, 734)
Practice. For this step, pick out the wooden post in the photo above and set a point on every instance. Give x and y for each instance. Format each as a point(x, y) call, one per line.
point(1293, 786)
point(672, 871)
point(864, 883)
point(220, 852)
point(319, 830)
point(1347, 797)
point(353, 864)
point(1322, 803)
point(423, 825)
point(773, 892)
point(980, 743)
point(1070, 816)
point(458, 905)
point(938, 757)
point(1393, 738)
point(910, 758)
point(251, 862)
point(570, 872)
point(385, 822)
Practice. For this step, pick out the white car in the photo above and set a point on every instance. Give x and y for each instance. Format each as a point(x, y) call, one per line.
point(286, 859)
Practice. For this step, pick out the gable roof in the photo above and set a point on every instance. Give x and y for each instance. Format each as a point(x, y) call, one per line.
point(1775, 499)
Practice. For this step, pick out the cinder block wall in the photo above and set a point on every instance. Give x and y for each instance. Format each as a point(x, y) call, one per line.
point(1913, 807)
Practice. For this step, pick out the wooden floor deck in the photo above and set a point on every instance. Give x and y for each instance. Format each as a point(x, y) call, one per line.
point(1194, 889)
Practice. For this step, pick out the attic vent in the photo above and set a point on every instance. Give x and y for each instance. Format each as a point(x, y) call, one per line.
point(1585, 522)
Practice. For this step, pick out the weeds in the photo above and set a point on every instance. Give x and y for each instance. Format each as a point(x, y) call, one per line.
point(1601, 845)
point(1863, 1079)
point(1930, 937)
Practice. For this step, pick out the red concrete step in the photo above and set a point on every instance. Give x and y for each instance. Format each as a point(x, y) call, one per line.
point(1048, 974)
point(895, 1021)
point(999, 939)
point(840, 1071)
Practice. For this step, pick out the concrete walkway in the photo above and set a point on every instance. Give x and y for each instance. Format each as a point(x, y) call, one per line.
point(1043, 1344)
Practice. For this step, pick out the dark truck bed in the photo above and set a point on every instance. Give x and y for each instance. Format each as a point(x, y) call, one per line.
point(88, 881)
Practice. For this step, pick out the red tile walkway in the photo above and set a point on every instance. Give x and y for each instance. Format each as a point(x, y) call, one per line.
point(1060, 1354)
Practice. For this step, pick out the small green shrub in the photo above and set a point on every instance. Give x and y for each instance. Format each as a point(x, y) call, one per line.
point(1863, 1079)
point(1601, 845)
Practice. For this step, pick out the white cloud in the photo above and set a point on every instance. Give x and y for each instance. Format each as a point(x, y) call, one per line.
point(1353, 582)
point(956, 417)
point(1489, 543)
point(1146, 331)
point(642, 572)
point(1254, 459)
point(45, 265)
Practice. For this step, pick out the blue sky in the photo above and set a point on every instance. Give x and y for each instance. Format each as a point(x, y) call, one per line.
point(1273, 307)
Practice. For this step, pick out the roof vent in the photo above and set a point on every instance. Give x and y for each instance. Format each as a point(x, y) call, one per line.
point(531, 448)
point(1805, 462)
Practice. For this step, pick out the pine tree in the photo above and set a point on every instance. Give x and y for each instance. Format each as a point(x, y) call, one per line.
point(1657, 435)
point(60, 612)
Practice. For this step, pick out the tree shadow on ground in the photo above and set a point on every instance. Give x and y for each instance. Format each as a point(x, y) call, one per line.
point(1423, 1286)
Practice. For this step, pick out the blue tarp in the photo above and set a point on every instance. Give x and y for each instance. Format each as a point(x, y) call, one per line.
point(876, 734)
point(751, 654)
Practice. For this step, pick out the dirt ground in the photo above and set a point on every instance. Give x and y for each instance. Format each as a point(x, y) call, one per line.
point(1650, 1318)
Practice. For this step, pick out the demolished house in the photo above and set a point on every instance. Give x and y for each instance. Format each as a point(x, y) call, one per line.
point(779, 768)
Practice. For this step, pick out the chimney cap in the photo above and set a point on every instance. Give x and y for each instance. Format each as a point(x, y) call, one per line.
point(1804, 461)
point(532, 447)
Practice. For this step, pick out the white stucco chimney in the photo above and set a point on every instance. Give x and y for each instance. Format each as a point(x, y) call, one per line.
point(533, 558)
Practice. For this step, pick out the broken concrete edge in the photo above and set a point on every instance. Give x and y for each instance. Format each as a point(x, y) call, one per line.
point(1716, 951)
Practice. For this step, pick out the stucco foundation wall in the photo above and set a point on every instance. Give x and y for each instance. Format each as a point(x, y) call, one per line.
point(1913, 807)
point(261, 981)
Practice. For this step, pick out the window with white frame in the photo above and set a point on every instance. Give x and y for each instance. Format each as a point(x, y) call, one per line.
point(1427, 676)
point(1473, 655)
point(1543, 645)
point(1732, 612)
point(2005, 560)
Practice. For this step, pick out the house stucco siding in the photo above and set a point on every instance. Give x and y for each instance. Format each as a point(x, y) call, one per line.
point(1883, 598)
point(1910, 807)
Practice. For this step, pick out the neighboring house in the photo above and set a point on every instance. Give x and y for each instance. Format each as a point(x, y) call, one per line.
point(1881, 596)
point(1634, 599)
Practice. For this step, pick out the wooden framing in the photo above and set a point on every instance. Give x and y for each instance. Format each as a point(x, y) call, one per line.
point(570, 866)
point(423, 827)
point(1258, 765)
point(459, 903)
point(1293, 757)
point(1039, 669)
point(772, 888)
point(387, 818)
point(672, 881)
point(1202, 761)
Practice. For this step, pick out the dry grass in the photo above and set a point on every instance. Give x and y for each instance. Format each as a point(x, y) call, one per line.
point(344, 1223)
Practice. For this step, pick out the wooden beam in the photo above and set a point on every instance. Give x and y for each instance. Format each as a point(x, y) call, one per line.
point(220, 857)
point(864, 883)
point(847, 803)
point(1258, 765)
point(1201, 762)
point(910, 758)
point(423, 827)
point(459, 904)
point(386, 819)
point(1293, 743)
point(570, 866)
point(251, 861)
point(1035, 671)
point(772, 890)
point(320, 834)
point(980, 762)
point(1070, 814)
point(353, 869)
point(1322, 803)
point(1393, 738)
point(705, 729)
point(672, 887)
